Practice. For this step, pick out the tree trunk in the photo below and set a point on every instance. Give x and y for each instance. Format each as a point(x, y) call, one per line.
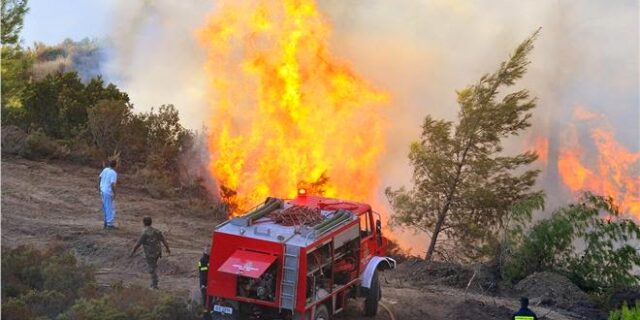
point(434, 237)
point(443, 214)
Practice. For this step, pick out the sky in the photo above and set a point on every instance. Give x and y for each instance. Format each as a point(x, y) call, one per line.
point(53, 21)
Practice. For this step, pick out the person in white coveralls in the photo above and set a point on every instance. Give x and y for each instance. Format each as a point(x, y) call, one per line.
point(107, 186)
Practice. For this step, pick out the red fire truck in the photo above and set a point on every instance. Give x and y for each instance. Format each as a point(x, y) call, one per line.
point(296, 259)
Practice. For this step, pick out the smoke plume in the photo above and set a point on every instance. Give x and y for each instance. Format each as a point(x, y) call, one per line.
point(421, 52)
point(155, 58)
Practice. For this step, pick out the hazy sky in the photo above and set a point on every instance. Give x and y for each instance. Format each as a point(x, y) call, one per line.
point(53, 21)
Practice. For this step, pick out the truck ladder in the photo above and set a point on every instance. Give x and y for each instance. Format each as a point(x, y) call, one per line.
point(289, 277)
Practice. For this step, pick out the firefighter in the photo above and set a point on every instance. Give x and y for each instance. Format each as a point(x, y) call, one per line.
point(203, 271)
point(150, 240)
point(524, 313)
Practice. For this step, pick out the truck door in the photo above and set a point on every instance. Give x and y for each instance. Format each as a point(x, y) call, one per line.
point(367, 239)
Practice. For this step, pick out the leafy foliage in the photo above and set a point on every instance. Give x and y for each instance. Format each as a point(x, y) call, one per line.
point(513, 231)
point(73, 116)
point(626, 313)
point(108, 122)
point(166, 136)
point(59, 103)
point(36, 283)
point(463, 185)
point(89, 122)
point(52, 285)
point(589, 242)
point(12, 13)
point(39, 146)
point(155, 140)
point(131, 303)
point(16, 71)
point(15, 62)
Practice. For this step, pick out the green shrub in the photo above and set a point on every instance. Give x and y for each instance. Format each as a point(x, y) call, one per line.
point(625, 313)
point(52, 285)
point(39, 146)
point(21, 271)
point(47, 303)
point(59, 102)
point(13, 140)
point(62, 273)
point(588, 242)
point(131, 303)
point(82, 150)
point(43, 283)
point(16, 309)
point(108, 123)
point(173, 308)
point(155, 182)
point(94, 309)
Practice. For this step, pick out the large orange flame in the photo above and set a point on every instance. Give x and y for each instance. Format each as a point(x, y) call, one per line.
point(614, 171)
point(285, 111)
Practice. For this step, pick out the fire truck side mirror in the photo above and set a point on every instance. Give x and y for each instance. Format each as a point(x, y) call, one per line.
point(379, 231)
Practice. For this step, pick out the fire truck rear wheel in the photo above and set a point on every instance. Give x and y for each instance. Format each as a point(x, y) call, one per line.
point(322, 313)
point(373, 296)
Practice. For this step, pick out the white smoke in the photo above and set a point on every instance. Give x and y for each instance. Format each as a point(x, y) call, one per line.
point(155, 57)
point(421, 52)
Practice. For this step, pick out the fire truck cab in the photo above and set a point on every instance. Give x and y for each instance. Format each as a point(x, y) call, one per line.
point(296, 259)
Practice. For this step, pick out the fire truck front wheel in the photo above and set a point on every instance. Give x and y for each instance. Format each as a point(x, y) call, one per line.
point(373, 296)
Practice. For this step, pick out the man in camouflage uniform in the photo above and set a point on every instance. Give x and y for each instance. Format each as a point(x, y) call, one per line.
point(150, 240)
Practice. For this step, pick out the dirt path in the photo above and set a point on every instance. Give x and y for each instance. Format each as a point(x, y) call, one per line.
point(45, 204)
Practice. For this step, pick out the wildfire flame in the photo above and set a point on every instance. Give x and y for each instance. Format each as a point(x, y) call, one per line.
point(541, 148)
point(615, 171)
point(285, 112)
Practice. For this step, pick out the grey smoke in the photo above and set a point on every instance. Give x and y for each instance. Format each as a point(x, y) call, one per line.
point(423, 50)
point(86, 57)
point(420, 51)
point(155, 58)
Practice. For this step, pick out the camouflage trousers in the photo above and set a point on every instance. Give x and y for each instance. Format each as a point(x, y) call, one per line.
point(152, 267)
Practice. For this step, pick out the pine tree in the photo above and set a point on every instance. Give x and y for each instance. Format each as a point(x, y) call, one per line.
point(463, 184)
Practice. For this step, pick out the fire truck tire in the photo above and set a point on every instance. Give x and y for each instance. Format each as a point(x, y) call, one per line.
point(322, 313)
point(373, 296)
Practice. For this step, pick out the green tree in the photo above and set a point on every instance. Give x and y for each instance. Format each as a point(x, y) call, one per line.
point(16, 73)
point(165, 137)
point(96, 90)
point(463, 185)
point(57, 104)
point(589, 242)
point(108, 122)
point(12, 12)
point(15, 63)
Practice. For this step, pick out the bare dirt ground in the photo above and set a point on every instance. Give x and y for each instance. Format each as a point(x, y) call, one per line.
point(45, 204)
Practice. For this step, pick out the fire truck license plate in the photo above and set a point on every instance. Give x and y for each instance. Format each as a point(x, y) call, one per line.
point(219, 308)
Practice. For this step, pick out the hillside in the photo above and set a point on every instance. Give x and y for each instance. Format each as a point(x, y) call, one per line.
point(47, 204)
